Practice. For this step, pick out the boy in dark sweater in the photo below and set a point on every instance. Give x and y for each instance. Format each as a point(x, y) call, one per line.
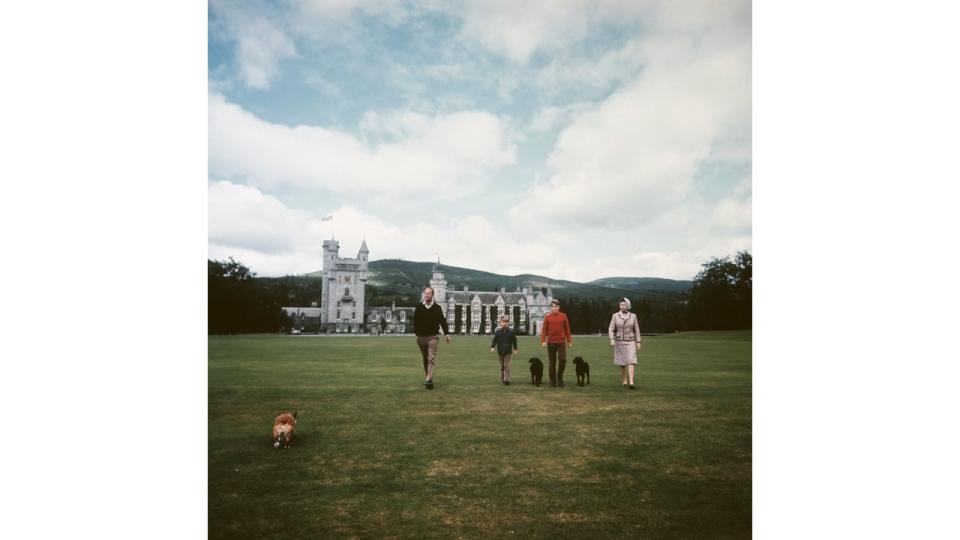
point(428, 319)
point(505, 344)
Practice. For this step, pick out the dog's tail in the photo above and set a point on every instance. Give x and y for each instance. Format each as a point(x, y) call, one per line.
point(295, 414)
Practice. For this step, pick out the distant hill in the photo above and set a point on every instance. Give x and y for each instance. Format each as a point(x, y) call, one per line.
point(394, 277)
point(661, 303)
point(644, 284)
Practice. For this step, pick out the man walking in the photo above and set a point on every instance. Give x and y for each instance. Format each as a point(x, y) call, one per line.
point(428, 318)
point(555, 336)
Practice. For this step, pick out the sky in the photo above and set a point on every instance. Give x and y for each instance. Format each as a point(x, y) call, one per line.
point(575, 140)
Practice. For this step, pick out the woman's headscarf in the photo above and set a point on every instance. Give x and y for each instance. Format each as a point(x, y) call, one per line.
point(627, 301)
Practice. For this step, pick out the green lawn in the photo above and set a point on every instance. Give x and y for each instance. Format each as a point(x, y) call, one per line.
point(377, 455)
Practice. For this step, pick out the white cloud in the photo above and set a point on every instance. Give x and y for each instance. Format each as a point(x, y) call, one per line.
point(264, 35)
point(546, 119)
point(308, 15)
point(516, 30)
point(639, 149)
point(242, 216)
point(272, 239)
point(617, 196)
point(733, 215)
point(657, 264)
point(552, 117)
point(565, 74)
point(260, 41)
point(402, 152)
point(324, 85)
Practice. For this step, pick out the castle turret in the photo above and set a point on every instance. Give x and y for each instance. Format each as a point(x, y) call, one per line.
point(363, 254)
point(439, 285)
point(330, 250)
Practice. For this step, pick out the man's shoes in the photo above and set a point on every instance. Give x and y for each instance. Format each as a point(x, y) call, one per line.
point(560, 384)
point(429, 385)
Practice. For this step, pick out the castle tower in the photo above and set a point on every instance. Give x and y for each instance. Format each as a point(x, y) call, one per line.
point(344, 289)
point(439, 285)
point(330, 250)
point(361, 280)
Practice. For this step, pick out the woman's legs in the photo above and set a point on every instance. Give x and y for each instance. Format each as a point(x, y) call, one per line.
point(623, 374)
point(630, 368)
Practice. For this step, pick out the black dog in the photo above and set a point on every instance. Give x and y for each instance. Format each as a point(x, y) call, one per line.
point(536, 371)
point(583, 370)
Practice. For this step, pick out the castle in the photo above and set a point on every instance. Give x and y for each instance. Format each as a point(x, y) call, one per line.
point(343, 310)
point(344, 285)
point(476, 312)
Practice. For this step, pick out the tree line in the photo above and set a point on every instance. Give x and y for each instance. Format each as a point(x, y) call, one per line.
point(721, 299)
point(237, 304)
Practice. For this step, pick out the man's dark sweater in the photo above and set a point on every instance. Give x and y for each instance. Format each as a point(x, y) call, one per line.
point(426, 322)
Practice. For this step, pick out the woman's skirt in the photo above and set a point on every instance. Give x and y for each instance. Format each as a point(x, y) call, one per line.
point(624, 352)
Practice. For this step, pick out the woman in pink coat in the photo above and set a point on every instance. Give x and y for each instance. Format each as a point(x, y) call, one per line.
point(625, 340)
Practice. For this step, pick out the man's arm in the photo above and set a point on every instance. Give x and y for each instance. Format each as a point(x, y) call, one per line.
point(417, 314)
point(566, 329)
point(443, 322)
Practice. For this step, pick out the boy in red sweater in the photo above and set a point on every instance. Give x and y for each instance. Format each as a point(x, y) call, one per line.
point(555, 336)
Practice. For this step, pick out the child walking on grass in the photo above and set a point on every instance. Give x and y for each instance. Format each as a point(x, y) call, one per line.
point(505, 344)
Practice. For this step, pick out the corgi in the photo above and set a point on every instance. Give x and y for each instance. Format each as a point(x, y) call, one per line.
point(283, 429)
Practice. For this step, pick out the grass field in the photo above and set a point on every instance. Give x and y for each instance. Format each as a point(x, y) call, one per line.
point(377, 455)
